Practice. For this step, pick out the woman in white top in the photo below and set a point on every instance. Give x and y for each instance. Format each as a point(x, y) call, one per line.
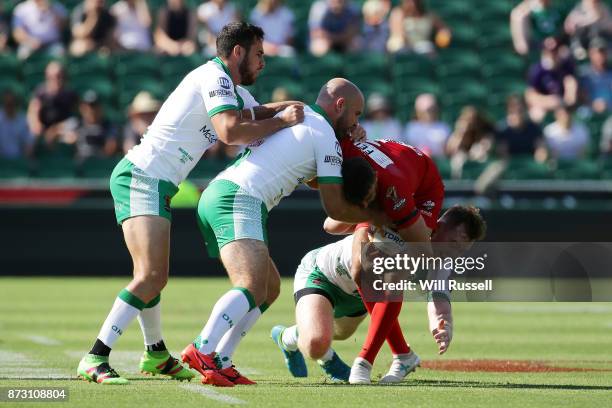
point(133, 24)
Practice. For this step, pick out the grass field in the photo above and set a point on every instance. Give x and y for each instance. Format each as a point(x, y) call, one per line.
point(46, 325)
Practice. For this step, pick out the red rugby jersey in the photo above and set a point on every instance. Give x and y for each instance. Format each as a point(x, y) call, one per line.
point(409, 183)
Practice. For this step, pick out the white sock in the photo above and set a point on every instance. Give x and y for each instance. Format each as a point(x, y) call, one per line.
point(229, 310)
point(124, 310)
point(289, 338)
point(232, 338)
point(150, 322)
point(327, 356)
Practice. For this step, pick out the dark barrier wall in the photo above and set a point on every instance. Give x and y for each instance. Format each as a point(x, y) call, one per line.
point(74, 241)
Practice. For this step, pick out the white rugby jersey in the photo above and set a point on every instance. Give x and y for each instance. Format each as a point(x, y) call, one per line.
point(182, 130)
point(271, 168)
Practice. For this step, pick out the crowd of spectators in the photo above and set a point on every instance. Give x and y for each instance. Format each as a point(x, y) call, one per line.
point(568, 79)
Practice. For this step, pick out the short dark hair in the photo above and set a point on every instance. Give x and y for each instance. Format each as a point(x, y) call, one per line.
point(239, 33)
point(357, 176)
point(470, 217)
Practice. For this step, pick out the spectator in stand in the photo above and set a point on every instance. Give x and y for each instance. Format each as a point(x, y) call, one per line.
point(141, 113)
point(93, 135)
point(380, 123)
point(176, 30)
point(133, 24)
point(565, 138)
point(551, 81)
point(426, 131)
point(4, 28)
point(16, 141)
point(517, 135)
point(589, 19)
point(278, 21)
point(596, 78)
point(472, 138)
point(37, 26)
point(605, 144)
point(51, 107)
point(214, 15)
point(93, 28)
point(531, 21)
point(414, 29)
point(334, 26)
point(375, 30)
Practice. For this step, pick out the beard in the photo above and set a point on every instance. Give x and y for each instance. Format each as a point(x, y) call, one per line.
point(343, 126)
point(247, 77)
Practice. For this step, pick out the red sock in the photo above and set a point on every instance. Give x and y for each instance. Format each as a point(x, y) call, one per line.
point(395, 338)
point(384, 316)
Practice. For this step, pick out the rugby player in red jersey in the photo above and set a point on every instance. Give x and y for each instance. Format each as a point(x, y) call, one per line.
point(410, 191)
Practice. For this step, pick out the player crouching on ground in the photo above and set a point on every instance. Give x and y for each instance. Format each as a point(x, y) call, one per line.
point(328, 304)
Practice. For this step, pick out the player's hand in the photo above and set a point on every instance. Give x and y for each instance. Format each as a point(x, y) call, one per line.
point(358, 134)
point(442, 335)
point(293, 114)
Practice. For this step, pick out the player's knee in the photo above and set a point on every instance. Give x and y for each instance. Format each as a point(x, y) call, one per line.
point(315, 347)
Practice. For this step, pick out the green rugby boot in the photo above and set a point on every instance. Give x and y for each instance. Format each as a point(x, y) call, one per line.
point(161, 362)
point(96, 369)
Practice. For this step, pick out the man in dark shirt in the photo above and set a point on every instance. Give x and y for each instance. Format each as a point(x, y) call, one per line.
point(52, 104)
point(551, 81)
point(517, 135)
point(94, 134)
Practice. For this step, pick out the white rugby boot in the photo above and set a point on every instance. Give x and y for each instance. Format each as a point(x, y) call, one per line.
point(361, 372)
point(402, 365)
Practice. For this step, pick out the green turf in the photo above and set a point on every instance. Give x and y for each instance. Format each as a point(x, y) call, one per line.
point(70, 312)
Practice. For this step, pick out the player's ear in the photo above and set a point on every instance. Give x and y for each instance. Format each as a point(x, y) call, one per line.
point(340, 103)
point(238, 52)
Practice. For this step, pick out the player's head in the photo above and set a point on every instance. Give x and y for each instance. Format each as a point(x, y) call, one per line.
point(460, 226)
point(242, 44)
point(359, 181)
point(344, 103)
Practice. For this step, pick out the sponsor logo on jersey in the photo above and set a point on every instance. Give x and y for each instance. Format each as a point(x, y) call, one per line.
point(427, 207)
point(398, 203)
point(370, 148)
point(258, 142)
point(208, 134)
point(220, 92)
point(224, 83)
point(184, 155)
point(333, 160)
point(338, 149)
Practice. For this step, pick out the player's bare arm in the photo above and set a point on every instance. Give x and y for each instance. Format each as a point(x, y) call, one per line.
point(268, 110)
point(338, 208)
point(233, 129)
point(440, 322)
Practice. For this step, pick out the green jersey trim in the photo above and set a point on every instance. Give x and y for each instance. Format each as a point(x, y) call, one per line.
point(321, 112)
point(221, 108)
point(329, 180)
point(227, 71)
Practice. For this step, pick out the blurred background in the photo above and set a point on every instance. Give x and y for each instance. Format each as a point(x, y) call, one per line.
point(513, 100)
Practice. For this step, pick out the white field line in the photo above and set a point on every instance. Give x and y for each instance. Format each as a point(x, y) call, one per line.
point(208, 392)
point(19, 366)
point(42, 340)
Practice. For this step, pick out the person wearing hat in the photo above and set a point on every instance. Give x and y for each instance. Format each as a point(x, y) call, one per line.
point(141, 113)
point(596, 79)
point(94, 135)
point(380, 123)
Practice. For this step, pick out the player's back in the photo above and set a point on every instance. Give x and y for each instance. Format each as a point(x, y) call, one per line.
point(271, 168)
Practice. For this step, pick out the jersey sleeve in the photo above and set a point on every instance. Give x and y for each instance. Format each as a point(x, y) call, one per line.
point(328, 158)
point(218, 93)
point(247, 98)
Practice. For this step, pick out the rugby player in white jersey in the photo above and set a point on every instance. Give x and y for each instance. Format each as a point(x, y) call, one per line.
point(329, 306)
point(208, 105)
point(233, 212)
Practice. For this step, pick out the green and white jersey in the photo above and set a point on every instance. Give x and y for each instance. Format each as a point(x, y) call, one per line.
point(335, 260)
point(271, 168)
point(182, 130)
